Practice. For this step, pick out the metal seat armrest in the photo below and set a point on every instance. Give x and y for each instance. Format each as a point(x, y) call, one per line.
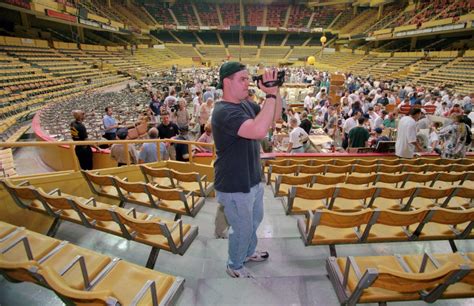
point(55, 190)
point(91, 199)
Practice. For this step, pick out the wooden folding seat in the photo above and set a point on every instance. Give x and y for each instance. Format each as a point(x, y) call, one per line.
point(439, 168)
point(391, 198)
point(428, 161)
point(389, 225)
point(415, 179)
point(24, 195)
point(382, 279)
point(351, 198)
point(323, 162)
point(360, 179)
point(301, 199)
point(408, 161)
point(331, 169)
point(327, 227)
point(191, 181)
point(415, 168)
point(175, 201)
point(307, 162)
point(390, 180)
point(172, 236)
point(20, 250)
point(369, 162)
point(311, 170)
point(123, 284)
point(464, 288)
point(284, 182)
point(447, 180)
point(426, 197)
point(344, 162)
point(389, 168)
point(364, 169)
point(274, 170)
point(278, 162)
point(101, 185)
point(158, 176)
point(462, 197)
point(462, 168)
point(446, 224)
point(328, 179)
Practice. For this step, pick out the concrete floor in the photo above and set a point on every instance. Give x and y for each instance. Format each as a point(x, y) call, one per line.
point(293, 275)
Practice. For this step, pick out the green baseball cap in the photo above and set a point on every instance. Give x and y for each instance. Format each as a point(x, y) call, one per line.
point(228, 69)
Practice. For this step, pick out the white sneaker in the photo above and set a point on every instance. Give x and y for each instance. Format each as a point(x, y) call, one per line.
point(240, 273)
point(258, 256)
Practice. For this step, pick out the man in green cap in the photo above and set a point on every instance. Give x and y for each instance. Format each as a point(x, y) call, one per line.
point(238, 126)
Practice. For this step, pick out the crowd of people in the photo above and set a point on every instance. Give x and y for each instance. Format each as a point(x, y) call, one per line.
point(369, 111)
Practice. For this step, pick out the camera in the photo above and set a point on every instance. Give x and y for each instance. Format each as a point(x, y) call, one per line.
point(278, 82)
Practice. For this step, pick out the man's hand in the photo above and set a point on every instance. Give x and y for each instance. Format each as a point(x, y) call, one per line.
point(269, 75)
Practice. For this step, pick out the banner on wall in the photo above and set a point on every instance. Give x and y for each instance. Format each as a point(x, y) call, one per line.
point(89, 23)
point(58, 15)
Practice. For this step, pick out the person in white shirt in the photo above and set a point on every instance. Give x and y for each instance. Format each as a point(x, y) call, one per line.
point(196, 105)
point(349, 124)
point(297, 137)
point(406, 135)
point(308, 102)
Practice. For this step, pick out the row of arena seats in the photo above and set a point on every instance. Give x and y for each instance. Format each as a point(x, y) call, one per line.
point(296, 170)
point(368, 162)
point(272, 15)
point(428, 277)
point(166, 189)
point(80, 276)
point(160, 234)
point(326, 227)
point(410, 179)
point(350, 198)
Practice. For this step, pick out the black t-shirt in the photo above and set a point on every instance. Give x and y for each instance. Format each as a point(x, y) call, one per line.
point(78, 131)
point(237, 167)
point(306, 125)
point(181, 150)
point(168, 131)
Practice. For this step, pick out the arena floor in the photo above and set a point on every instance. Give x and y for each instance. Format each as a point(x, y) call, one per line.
point(293, 275)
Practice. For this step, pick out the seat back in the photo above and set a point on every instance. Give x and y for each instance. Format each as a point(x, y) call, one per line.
point(132, 187)
point(96, 213)
point(94, 180)
point(401, 218)
point(361, 179)
point(420, 178)
point(165, 194)
point(451, 216)
point(155, 173)
point(184, 176)
point(389, 168)
point(364, 169)
point(338, 169)
point(304, 169)
point(344, 219)
point(22, 195)
point(308, 162)
point(344, 162)
point(329, 180)
point(390, 178)
point(312, 193)
point(412, 282)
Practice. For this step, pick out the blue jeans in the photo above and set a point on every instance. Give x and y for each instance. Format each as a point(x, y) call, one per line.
point(244, 212)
